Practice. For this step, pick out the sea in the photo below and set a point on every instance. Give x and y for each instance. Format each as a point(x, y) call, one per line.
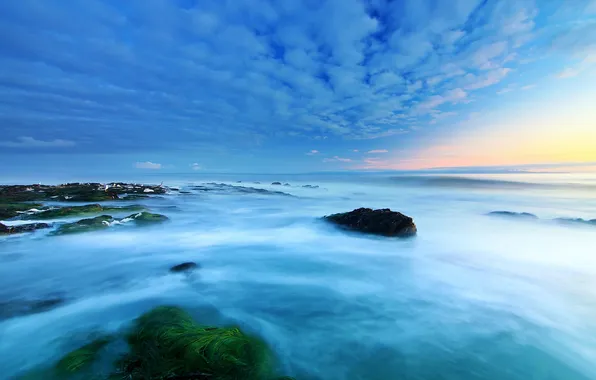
point(472, 296)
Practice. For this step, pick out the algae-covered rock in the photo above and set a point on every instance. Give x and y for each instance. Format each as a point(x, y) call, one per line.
point(144, 217)
point(85, 225)
point(69, 211)
point(167, 343)
point(10, 210)
point(81, 357)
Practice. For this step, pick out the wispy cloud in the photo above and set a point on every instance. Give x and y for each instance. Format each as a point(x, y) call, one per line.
point(312, 152)
point(147, 165)
point(378, 151)
point(337, 159)
point(30, 142)
point(196, 166)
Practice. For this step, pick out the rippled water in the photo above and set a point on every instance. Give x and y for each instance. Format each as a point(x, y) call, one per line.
point(471, 297)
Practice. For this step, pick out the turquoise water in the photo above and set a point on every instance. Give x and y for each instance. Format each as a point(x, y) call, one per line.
point(471, 297)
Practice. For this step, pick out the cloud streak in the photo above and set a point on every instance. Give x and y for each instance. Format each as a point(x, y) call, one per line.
point(26, 142)
point(148, 165)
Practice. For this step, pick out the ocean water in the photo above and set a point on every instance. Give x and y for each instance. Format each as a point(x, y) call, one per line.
point(471, 297)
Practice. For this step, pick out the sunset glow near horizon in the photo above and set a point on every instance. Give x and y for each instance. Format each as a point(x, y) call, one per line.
point(274, 86)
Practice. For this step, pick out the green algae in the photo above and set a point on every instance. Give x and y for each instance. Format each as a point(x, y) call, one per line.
point(82, 357)
point(148, 218)
point(85, 225)
point(69, 211)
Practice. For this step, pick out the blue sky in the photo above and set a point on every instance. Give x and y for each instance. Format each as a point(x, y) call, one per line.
point(292, 85)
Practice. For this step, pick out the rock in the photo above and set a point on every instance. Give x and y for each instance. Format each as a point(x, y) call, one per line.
point(85, 225)
point(63, 212)
point(591, 222)
point(73, 192)
point(147, 218)
point(286, 184)
point(276, 183)
point(10, 210)
point(510, 214)
point(223, 188)
point(22, 228)
point(380, 222)
point(184, 267)
point(311, 186)
point(134, 197)
point(16, 308)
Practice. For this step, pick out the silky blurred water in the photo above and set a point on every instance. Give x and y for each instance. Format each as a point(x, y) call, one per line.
point(471, 297)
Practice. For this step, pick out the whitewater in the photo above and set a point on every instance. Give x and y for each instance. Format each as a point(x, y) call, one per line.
point(472, 296)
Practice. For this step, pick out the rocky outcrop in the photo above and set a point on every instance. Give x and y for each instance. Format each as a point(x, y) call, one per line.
point(85, 225)
point(74, 192)
point(379, 222)
point(63, 212)
point(591, 222)
point(144, 217)
point(22, 228)
point(223, 188)
point(311, 186)
point(184, 267)
point(276, 183)
point(510, 214)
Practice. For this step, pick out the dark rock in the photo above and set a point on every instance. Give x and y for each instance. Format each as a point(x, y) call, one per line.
point(16, 308)
point(311, 186)
point(22, 228)
point(286, 184)
point(591, 222)
point(276, 183)
point(184, 267)
point(257, 183)
point(222, 188)
point(510, 214)
point(380, 222)
point(185, 192)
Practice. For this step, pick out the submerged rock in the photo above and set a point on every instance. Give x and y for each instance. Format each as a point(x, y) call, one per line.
point(223, 188)
point(79, 210)
point(311, 186)
point(17, 308)
point(276, 183)
point(524, 215)
point(22, 228)
point(380, 222)
point(147, 218)
point(81, 358)
point(10, 210)
point(184, 267)
point(85, 225)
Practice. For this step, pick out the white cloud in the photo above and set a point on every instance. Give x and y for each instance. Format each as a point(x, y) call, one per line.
point(378, 151)
point(312, 152)
point(30, 142)
point(147, 165)
point(355, 151)
point(196, 166)
point(528, 87)
point(337, 159)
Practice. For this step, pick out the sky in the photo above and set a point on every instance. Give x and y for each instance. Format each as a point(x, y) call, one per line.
point(296, 85)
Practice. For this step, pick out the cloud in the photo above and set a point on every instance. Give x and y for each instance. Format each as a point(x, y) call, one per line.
point(329, 70)
point(378, 151)
point(588, 62)
point(528, 87)
point(148, 165)
point(337, 159)
point(355, 151)
point(30, 142)
point(312, 152)
point(195, 166)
